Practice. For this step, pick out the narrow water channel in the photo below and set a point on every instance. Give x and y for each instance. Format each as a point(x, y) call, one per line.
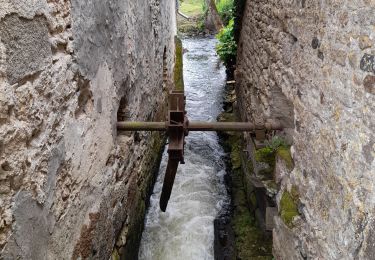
point(186, 229)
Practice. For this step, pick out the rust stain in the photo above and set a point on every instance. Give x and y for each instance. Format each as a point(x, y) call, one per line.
point(84, 246)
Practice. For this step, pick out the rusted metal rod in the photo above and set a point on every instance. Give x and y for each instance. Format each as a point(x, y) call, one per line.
point(230, 126)
point(142, 126)
point(198, 126)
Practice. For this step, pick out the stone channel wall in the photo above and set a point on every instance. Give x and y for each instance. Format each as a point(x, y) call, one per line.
point(311, 65)
point(70, 186)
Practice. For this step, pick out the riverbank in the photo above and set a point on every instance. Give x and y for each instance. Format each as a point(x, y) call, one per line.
point(237, 233)
point(202, 18)
point(194, 24)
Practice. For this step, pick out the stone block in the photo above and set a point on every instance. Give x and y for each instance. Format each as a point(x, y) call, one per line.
point(368, 63)
point(365, 42)
point(271, 212)
point(369, 84)
point(27, 46)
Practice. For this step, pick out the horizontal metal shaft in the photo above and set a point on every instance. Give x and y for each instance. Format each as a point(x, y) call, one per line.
point(220, 126)
point(142, 126)
point(198, 126)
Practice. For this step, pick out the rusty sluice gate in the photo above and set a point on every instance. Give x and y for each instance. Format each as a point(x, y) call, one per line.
point(177, 128)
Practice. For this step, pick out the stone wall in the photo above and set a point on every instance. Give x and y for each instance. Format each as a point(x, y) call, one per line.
point(69, 184)
point(311, 64)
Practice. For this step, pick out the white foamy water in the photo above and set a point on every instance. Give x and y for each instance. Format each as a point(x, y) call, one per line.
point(186, 230)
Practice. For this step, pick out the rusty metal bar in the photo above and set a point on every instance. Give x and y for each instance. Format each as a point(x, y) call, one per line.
point(199, 126)
point(142, 126)
point(231, 126)
point(170, 174)
point(220, 126)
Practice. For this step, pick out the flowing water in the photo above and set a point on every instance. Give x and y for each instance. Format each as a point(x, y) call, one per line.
point(186, 230)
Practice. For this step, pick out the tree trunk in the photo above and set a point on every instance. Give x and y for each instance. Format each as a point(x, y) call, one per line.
point(213, 21)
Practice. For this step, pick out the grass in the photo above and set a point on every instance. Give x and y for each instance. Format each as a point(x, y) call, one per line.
point(192, 8)
point(223, 4)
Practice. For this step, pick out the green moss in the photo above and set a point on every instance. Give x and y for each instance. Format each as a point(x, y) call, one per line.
point(284, 153)
point(235, 157)
point(266, 155)
point(178, 68)
point(227, 117)
point(236, 160)
point(249, 240)
point(115, 255)
point(234, 143)
point(276, 147)
point(249, 166)
point(253, 200)
point(289, 206)
point(242, 223)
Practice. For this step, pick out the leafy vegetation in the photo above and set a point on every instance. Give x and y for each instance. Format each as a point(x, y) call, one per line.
point(268, 153)
point(277, 147)
point(276, 142)
point(225, 9)
point(227, 46)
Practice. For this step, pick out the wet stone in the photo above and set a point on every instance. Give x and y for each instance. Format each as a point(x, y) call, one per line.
point(368, 63)
point(315, 43)
point(321, 55)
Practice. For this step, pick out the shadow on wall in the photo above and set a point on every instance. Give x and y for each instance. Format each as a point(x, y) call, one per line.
point(281, 109)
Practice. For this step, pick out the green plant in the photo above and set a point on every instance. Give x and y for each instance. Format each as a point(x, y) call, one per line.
point(227, 47)
point(275, 147)
point(266, 155)
point(225, 9)
point(276, 142)
point(204, 7)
